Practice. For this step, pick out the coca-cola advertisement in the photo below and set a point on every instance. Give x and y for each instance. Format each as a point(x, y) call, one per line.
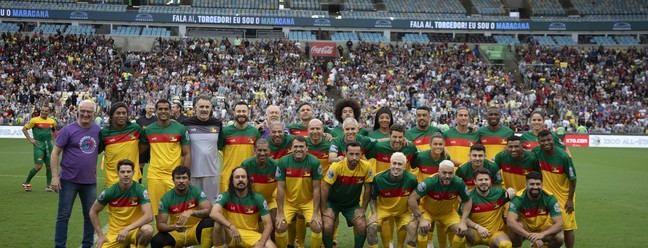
point(322, 49)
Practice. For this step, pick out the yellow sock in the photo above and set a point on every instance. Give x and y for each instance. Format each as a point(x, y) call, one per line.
point(281, 240)
point(387, 232)
point(316, 240)
point(505, 244)
point(300, 229)
point(458, 242)
point(421, 240)
point(441, 235)
point(401, 234)
point(373, 246)
point(206, 238)
point(335, 232)
point(219, 246)
point(292, 234)
point(141, 246)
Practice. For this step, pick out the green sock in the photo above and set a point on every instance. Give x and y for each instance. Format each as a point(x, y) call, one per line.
point(359, 240)
point(31, 175)
point(49, 176)
point(327, 240)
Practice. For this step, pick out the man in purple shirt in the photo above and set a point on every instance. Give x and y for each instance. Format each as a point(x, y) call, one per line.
point(79, 143)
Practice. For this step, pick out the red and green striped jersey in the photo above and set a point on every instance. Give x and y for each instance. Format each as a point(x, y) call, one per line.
point(243, 213)
point(421, 138)
point(237, 145)
point(494, 142)
point(346, 184)
point(557, 171)
point(535, 214)
point(440, 199)
point(277, 151)
point(320, 151)
point(383, 151)
point(376, 134)
point(299, 177)
point(42, 129)
point(466, 171)
point(514, 171)
point(488, 211)
point(427, 165)
point(124, 207)
point(392, 196)
point(298, 129)
point(174, 204)
point(339, 147)
point(118, 145)
point(458, 144)
point(263, 179)
point(530, 140)
point(166, 148)
point(339, 132)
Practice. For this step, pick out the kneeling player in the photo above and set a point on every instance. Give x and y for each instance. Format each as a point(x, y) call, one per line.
point(535, 215)
point(238, 210)
point(189, 209)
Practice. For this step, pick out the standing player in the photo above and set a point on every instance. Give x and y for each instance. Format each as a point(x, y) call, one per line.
point(530, 138)
point(261, 169)
point(422, 133)
point(493, 136)
point(560, 179)
point(238, 209)
point(341, 193)
point(272, 114)
point(460, 138)
point(478, 160)
point(382, 122)
point(144, 121)
point(170, 147)
point(184, 215)
point(129, 212)
point(43, 129)
point(486, 225)
point(535, 215)
point(317, 146)
point(396, 143)
point(237, 142)
point(279, 141)
point(177, 112)
point(298, 189)
point(203, 132)
point(338, 145)
point(119, 140)
point(439, 193)
point(515, 163)
point(346, 108)
point(305, 113)
point(389, 193)
point(428, 161)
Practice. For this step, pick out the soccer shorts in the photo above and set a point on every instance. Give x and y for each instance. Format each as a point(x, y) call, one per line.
point(569, 220)
point(401, 220)
point(346, 212)
point(306, 208)
point(186, 238)
point(447, 219)
point(42, 152)
point(156, 189)
point(535, 228)
point(485, 241)
point(248, 238)
point(131, 238)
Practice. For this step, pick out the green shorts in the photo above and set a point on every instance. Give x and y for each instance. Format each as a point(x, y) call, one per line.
point(346, 212)
point(42, 152)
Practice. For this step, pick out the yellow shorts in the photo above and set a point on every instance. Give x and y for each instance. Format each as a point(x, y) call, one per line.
point(186, 238)
point(401, 220)
point(156, 189)
point(248, 237)
point(306, 208)
point(569, 220)
point(447, 219)
point(534, 229)
point(487, 241)
point(112, 239)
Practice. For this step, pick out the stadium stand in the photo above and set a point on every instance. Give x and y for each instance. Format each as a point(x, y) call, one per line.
point(547, 8)
point(305, 4)
point(611, 7)
point(80, 29)
point(432, 6)
point(564, 40)
point(126, 31)
point(359, 5)
point(373, 37)
point(419, 38)
point(627, 40)
point(489, 7)
point(156, 32)
point(50, 28)
point(345, 36)
point(69, 5)
point(301, 35)
point(9, 27)
point(506, 39)
point(544, 40)
point(603, 40)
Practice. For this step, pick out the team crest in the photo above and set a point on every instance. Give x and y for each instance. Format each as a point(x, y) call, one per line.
point(161, 205)
point(370, 172)
point(219, 197)
point(102, 196)
point(556, 208)
point(421, 187)
point(146, 195)
point(319, 170)
point(202, 194)
point(265, 205)
point(330, 174)
point(278, 172)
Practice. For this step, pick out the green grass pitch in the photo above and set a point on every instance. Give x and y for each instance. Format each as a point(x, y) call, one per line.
point(611, 200)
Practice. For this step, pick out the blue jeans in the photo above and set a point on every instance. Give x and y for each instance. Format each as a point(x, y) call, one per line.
point(67, 195)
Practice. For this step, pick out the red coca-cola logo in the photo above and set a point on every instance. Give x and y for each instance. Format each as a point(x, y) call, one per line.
point(323, 49)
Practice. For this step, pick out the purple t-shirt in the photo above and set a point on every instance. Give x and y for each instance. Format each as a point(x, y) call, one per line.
point(80, 145)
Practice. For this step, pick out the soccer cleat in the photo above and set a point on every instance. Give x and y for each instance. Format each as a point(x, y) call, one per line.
point(27, 187)
point(334, 244)
point(49, 189)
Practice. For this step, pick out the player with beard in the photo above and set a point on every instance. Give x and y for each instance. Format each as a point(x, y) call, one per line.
point(493, 136)
point(279, 141)
point(421, 134)
point(346, 108)
point(272, 114)
point(515, 163)
point(305, 113)
point(183, 219)
point(560, 179)
point(119, 140)
point(144, 121)
point(396, 143)
point(170, 147)
point(238, 210)
point(529, 139)
point(237, 142)
point(44, 135)
point(488, 205)
point(535, 215)
point(261, 169)
point(478, 160)
point(460, 138)
point(338, 145)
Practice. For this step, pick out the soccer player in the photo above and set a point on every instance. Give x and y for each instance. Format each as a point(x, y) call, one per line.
point(170, 147)
point(421, 134)
point(389, 193)
point(346, 108)
point(317, 145)
point(272, 114)
point(341, 193)
point(261, 169)
point(439, 193)
point(382, 122)
point(460, 138)
point(183, 219)
point(279, 141)
point(237, 142)
point(129, 212)
point(529, 139)
point(238, 210)
point(144, 121)
point(298, 189)
point(427, 162)
point(339, 144)
point(535, 215)
point(203, 132)
point(119, 140)
point(177, 112)
point(560, 179)
point(43, 129)
point(493, 136)
point(486, 225)
point(515, 163)
point(396, 143)
point(305, 112)
point(478, 160)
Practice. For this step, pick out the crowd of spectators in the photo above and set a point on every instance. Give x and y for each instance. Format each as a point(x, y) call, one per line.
point(603, 89)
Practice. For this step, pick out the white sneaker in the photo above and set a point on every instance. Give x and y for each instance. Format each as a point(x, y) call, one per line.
point(391, 245)
point(430, 245)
